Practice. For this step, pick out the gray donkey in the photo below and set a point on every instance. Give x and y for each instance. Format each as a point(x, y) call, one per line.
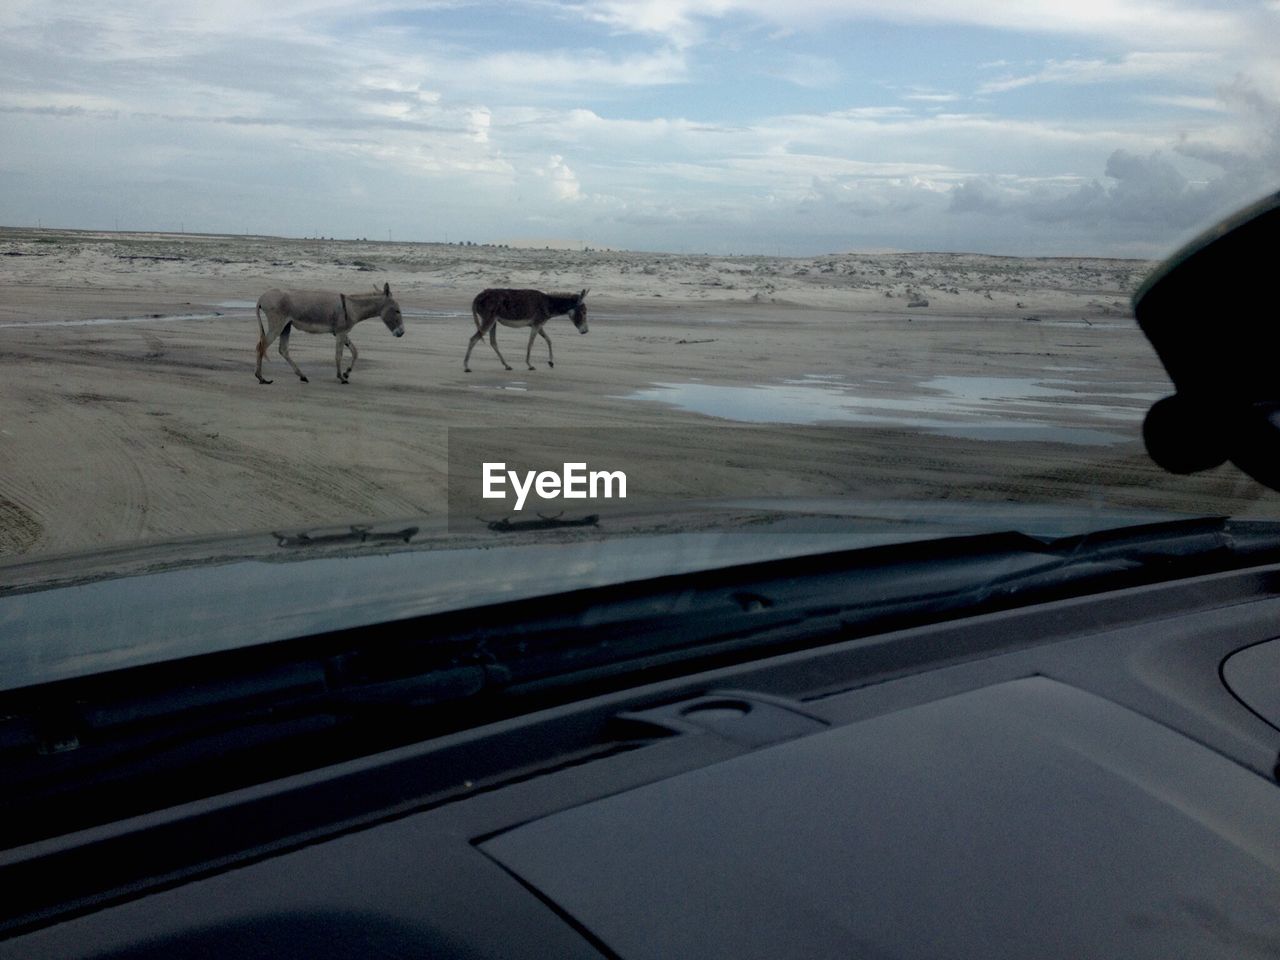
point(321, 311)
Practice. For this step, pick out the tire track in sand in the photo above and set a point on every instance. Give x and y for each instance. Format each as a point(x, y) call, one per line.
point(262, 488)
point(19, 530)
point(88, 487)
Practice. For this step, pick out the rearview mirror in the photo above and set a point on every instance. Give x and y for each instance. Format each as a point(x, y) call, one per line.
point(1211, 315)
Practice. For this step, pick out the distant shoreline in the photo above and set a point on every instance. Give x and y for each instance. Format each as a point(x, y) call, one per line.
point(550, 246)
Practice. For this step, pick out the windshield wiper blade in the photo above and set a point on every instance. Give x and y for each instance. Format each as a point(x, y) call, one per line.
point(1154, 551)
point(727, 615)
point(354, 534)
point(507, 525)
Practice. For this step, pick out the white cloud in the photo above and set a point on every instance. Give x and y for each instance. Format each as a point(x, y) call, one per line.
point(575, 70)
point(1158, 22)
point(630, 119)
point(1140, 194)
point(678, 21)
point(1140, 65)
point(1206, 104)
point(478, 123)
point(564, 182)
point(55, 102)
point(924, 96)
point(809, 71)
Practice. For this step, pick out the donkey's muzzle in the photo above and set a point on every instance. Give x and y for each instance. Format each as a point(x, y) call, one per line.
point(399, 333)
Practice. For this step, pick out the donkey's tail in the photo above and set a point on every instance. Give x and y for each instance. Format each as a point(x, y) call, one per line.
point(262, 331)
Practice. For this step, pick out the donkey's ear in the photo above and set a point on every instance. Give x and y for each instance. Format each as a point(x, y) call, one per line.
point(386, 289)
point(583, 294)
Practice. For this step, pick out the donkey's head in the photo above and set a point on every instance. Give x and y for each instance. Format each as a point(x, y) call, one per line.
point(579, 313)
point(390, 312)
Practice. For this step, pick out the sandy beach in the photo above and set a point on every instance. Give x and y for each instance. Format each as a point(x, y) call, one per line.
point(130, 411)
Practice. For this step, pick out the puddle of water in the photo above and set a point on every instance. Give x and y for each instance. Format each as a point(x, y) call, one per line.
point(520, 386)
point(236, 304)
point(996, 389)
point(1038, 433)
point(980, 408)
point(1031, 396)
point(1095, 324)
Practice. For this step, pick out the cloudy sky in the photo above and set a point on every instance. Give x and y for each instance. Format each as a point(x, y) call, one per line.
point(1114, 127)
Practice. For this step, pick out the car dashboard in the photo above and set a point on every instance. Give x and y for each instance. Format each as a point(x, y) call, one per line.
point(1085, 776)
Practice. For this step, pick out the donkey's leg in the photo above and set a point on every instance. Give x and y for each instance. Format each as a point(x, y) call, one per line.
point(284, 351)
point(490, 327)
point(338, 340)
point(551, 357)
point(533, 333)
point(493, 342)
point(264, 341)
point(346, 374)
point(475, 338)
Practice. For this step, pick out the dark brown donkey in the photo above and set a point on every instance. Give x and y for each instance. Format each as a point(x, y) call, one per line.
point(522, 308)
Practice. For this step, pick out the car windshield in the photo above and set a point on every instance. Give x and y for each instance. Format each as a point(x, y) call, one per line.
point(341, 279)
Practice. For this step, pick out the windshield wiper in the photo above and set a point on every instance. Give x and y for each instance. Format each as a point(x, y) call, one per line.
point(507, 525)
point(354, 534)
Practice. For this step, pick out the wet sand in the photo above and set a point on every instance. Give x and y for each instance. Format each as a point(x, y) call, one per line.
point(1021, 380)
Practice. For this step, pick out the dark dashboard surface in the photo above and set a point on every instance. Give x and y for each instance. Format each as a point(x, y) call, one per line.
point(1067, 779)
point(937, 830)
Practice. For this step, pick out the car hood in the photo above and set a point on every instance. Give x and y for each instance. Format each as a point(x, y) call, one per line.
point(72, 616)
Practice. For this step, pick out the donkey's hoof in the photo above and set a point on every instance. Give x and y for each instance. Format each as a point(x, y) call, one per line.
point(304, 379)
point(507, 367)
point(263, 380)
point(550, 364)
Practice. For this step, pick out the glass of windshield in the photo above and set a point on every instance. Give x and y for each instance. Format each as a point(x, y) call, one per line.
point(638, 287)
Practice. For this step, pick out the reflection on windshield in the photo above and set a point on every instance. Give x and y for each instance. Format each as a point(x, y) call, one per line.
point(138, 418)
